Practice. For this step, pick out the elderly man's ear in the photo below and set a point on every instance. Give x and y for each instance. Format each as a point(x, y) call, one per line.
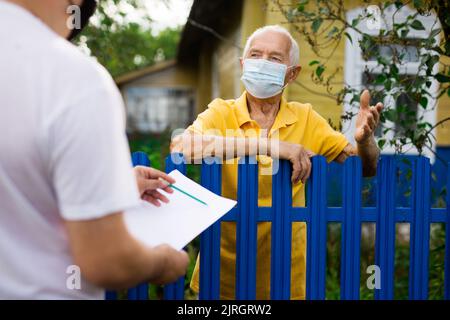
point(292, 74)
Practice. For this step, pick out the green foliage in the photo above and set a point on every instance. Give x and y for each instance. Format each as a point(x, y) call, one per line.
point(123, 46)
point(323, 24)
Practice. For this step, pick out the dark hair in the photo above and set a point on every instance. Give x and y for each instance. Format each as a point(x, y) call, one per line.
point(87, 9)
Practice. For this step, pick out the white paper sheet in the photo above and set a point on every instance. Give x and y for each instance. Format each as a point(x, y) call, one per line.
point(182, 219)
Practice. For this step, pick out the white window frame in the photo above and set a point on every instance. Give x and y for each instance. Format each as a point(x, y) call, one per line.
point(355, 66)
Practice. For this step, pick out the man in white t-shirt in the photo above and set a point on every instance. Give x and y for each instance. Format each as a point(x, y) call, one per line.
point(65, 170)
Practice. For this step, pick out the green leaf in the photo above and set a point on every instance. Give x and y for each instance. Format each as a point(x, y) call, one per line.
point(423, 102)
point(434, 33)
point(431, 61)
point(442, 78)
point(398, 4)
point(418, 4)
point(333, 31)
point(380, 79)
point(320, 69)
point(390, 115)
point(404, 33)
point(355, 22)
point(417, 25)
point(381, 143)
point(394, 71)
point(348, 37)
point(316, 24)
point(406, 161)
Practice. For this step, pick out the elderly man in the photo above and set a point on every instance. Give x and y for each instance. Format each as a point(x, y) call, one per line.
point(261, 122)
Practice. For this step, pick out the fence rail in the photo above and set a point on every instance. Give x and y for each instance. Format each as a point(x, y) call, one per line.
point(317, 215)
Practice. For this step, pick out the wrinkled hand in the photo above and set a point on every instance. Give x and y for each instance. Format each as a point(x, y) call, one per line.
point(300, 159)
point(367, 119)
point(172, 264)
point(148, 184)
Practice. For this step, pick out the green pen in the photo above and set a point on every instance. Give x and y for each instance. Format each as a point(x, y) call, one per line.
point(184, 192)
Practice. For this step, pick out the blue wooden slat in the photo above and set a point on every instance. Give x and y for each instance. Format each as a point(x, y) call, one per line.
point(211, 178)
point(132, 294)
point(317, 231)
point(175, 291)
point(246, 229)
point(385, 228)
point(420, 230)
point(142, 291)
point(140, 159)
point(447, 240)
point(280, 282)
point(351, 230)
point(110, 295)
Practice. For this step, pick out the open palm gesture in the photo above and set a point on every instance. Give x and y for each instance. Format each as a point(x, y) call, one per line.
point(367, 119)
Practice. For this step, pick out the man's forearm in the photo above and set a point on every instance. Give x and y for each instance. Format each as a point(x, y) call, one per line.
point(196, 147)
point(369, 154)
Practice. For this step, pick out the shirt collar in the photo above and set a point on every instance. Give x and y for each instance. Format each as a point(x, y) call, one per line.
point(284, 117)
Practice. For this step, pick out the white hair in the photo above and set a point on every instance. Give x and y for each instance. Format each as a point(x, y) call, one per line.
point(294, 52)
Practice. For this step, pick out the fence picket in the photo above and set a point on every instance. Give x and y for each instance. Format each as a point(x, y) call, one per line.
point(211, 178)
point(351, 230)
point(385, 227)
point(420, 230)
point(175, 291)
point(246, 229)
point(317, 231)
point(280, 270)
point(447, 240)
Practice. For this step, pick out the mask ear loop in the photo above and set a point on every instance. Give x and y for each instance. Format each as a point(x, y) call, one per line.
point(284, 87)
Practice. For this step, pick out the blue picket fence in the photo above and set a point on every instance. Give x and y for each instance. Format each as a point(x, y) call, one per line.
point(317, 214)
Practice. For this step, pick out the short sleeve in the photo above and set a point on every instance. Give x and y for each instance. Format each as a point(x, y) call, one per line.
point(89, 157)
point(327, 141)
point(208, 119)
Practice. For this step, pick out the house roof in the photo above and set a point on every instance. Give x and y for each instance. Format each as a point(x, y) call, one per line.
point(205, 16)
point(133, 75)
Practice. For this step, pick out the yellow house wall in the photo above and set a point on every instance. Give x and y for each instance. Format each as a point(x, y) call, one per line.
point(443, 112)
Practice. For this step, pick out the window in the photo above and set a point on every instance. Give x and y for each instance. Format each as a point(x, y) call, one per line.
point(154, 110)
point(362, 72)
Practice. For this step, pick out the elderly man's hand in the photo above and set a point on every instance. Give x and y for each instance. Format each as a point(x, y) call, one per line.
point(367, 119)
point(300, 159)
point(149, 181)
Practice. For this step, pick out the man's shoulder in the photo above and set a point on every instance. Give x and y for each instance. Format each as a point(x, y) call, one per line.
point(222, 106)
point(300, 109)
point(75, 64)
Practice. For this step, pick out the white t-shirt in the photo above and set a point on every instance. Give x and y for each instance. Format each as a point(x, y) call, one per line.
point(63, 155)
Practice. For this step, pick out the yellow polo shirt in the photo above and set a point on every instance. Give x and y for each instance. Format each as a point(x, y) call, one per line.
point(296, 123)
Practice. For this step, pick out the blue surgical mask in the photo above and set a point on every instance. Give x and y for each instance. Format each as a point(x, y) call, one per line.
point(263, 79)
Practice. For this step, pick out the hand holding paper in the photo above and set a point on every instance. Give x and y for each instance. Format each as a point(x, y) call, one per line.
point(191, 210)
